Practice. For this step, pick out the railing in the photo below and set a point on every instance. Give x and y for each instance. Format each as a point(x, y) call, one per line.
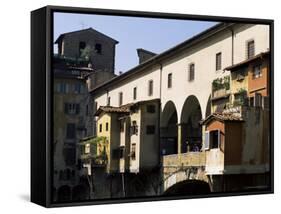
point(220, 93)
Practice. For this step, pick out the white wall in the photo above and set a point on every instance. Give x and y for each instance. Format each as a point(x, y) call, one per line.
point(203, 55)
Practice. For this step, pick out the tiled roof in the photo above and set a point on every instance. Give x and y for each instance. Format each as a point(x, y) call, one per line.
point(113, 109)
point(122, 109)
point(222, 117)
point(245, 62)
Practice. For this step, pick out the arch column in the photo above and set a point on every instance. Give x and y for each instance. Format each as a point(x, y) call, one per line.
point(179, 138)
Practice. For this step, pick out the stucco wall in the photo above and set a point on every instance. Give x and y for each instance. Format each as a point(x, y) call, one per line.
point(203, 55)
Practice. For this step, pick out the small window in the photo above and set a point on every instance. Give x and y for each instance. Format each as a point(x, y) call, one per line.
point(70, 131)
point(257, 72)
point(134, 128)
point(82, 46)
point(135, 93)
point(133, 151)
point(77, 88)
point(98, 48)
point(106, 127)
point(191, 75)
point(71, 108)
point(251, 101)
point(120, 98)
point(122, 126)
point(100, 127)
point(108, 101)
point(150, 129)
point(170, 80)
point(150, 88)
point(218, 61)
point(87, 148)
point(69, 157)
point(214, 139)
point(67, 88)
point(150, 108)
point(250, 49)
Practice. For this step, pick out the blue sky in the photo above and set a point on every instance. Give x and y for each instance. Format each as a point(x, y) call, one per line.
point(156, 35)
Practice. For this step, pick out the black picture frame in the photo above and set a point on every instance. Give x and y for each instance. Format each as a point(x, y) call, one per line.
point(41, 101)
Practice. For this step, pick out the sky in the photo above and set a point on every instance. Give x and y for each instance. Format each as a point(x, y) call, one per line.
point(153, 34)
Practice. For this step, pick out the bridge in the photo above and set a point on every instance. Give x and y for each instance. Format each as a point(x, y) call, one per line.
point(185, 173)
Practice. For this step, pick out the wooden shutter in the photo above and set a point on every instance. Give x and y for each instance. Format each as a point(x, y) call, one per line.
point(207, 140)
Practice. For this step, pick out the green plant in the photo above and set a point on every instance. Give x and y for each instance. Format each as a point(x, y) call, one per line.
point(221, 83)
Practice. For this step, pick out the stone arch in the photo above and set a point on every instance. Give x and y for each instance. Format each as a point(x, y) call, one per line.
point(188, 187)
point(80, 192)
point(169, 129)
point(191, 130)
point(64, 193)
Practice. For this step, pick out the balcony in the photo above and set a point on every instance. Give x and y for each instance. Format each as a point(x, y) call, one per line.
point(221, 88)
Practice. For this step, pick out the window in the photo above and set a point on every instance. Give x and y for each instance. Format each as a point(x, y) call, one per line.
point(251, 102)
point(150, 88)
point(67, 88)
point(250, 49)
point(61, 87)
point(69, 156)
point(150, 129)
point(71, 108)
point(77, 88)
point(135, 93)
point(108, 101)
point(82, 46)
point(212, 139)
point(257, 72)
point(106, 127)
point(70, 131)
point(98, 48)
point(191, 72)
point(218, 61)
point(258, 100)
point(170, 80)
point(150, 109)
point(118, 153)
point(120, 98)
point(133, 151)
point(134, 128)
point(87, 148)
point(100, 127)
point(122, 126)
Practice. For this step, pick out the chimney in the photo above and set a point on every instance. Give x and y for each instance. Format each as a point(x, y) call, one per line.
point(144, 55)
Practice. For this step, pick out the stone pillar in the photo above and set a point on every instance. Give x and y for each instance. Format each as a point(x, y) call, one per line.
point(179, 138)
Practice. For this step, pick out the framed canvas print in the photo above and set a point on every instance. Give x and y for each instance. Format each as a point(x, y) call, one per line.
point(138, 106)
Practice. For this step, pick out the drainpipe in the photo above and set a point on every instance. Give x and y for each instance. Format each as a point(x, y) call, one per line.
point(232, 45)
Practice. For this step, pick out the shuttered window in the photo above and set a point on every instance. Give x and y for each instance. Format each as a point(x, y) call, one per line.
point(120, 98)
point(207, 140)
point(150, 88)
point(218, 61)
point(170, 80)
point(251, 49)
point(191, 73)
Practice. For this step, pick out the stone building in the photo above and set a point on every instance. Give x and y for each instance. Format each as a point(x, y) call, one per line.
point(91, 44)
point(85, 60)
point(70, 124)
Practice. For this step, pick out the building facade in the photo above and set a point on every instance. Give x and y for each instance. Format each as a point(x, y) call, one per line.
point(182, 78)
